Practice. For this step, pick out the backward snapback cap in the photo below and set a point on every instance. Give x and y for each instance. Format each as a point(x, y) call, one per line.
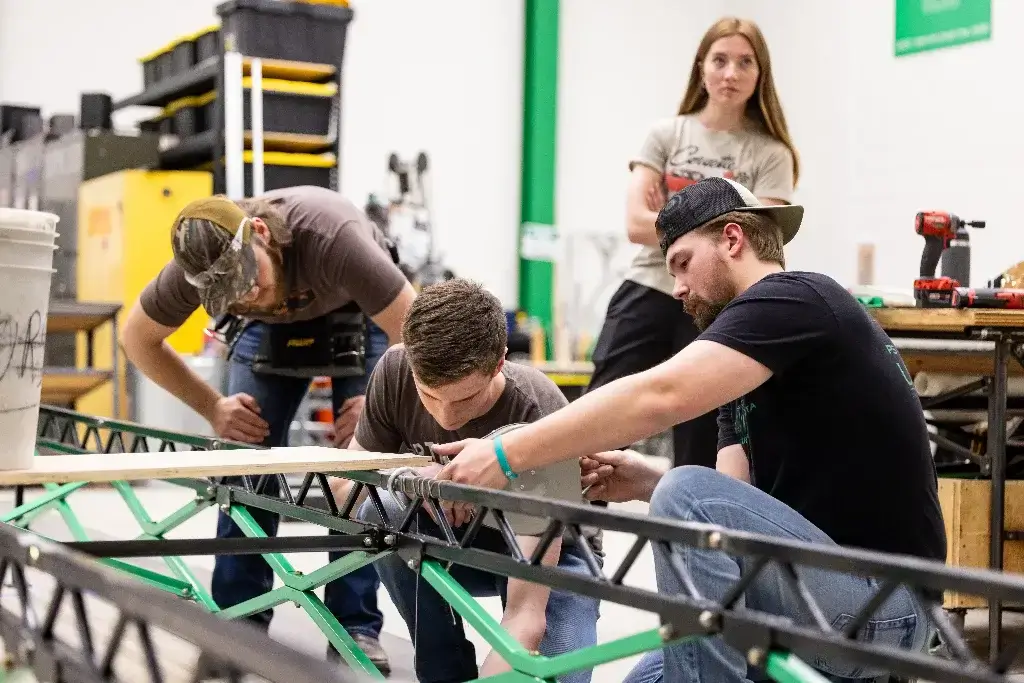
point(698, 204)
point(211, 241)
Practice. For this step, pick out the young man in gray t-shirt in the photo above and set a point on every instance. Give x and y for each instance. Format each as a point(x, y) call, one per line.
point(449, 381)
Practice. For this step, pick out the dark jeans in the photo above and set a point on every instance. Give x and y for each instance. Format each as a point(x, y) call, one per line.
point(642, 328)
point(442, 652)
point(352, 599)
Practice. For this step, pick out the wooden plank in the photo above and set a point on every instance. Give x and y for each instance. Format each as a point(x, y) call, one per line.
point(106, 467)
point(945, 319)
point(966, 505)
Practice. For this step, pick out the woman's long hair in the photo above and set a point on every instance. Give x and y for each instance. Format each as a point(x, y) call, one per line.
point(763, 106)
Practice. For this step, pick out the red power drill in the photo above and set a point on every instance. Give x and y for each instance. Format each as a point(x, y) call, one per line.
point(990, 297)
point(938, 228)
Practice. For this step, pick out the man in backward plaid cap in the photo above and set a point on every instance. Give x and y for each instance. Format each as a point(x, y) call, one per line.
point(787, 358)
point(287, 258)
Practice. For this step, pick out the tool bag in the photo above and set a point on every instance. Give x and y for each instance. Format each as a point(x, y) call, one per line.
point(330, 346)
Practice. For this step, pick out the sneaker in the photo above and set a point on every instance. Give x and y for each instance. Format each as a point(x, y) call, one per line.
point(371, 648)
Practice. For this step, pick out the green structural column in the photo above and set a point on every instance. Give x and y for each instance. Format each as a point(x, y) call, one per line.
point(540, 113)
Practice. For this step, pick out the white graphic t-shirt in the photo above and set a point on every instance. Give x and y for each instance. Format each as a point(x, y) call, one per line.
point(683, 152)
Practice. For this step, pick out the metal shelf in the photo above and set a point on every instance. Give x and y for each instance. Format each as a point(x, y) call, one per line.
point(200, 79)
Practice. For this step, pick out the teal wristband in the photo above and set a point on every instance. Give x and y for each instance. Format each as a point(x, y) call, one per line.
point(499, 452)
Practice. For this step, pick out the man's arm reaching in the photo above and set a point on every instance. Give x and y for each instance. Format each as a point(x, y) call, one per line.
point(732, 460)
point(525, 616)
point(698, 379)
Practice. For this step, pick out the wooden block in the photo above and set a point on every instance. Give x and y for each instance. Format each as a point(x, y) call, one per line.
point(106, 467)
point(966, 506)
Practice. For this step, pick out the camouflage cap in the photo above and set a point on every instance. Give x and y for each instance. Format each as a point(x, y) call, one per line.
point(210, 239)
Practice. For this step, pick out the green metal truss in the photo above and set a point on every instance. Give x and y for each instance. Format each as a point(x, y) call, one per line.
point(64, 431)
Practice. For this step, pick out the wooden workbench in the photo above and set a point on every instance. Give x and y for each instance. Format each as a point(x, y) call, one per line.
point(979, 512)
point(945, 320)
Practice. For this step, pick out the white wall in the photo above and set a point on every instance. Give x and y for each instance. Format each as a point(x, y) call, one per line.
point(880, 138)
point(444, 78)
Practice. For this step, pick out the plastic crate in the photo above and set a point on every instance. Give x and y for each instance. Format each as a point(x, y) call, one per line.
point(185, 115)
point(283, 169)
point(278, 29)
point(152, 65)
point(182, 56)
point(293, 106)
point(286, 169)
point(207, 43)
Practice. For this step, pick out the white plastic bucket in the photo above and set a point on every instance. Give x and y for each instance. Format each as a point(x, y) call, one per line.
point(25, 253)
point(24, 305)
point(27, 234)
point(33, 220)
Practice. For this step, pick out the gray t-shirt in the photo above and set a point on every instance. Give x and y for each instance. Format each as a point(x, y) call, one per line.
point(682, 151)
point(394, 420)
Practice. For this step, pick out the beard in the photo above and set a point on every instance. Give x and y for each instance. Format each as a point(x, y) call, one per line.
point(704, 310)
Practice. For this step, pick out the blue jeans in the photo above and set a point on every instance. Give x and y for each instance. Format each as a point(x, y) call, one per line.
point(442, 652)
point(701, 494)
point(352, 599)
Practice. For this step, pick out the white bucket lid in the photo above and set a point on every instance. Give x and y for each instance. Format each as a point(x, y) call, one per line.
point(4, 266)
point(23, 218)
point(10, 229)
point(42, 244)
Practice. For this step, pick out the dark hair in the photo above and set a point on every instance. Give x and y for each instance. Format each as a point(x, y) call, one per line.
point(454, 329)
point(280, 234)
point(763, 235)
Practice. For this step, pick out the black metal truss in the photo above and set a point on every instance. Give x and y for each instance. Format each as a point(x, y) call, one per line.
point(29, 630)
point(753, 633)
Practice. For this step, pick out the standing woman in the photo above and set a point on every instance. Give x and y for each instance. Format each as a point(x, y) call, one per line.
point(730, 124)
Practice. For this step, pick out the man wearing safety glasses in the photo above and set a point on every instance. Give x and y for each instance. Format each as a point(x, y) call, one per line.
point(308, 286)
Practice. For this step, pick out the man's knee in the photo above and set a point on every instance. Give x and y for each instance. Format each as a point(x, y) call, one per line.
point(681, 489)
point(369, 513)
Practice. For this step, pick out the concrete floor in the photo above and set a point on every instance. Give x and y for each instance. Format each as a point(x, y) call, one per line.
point(105, 515)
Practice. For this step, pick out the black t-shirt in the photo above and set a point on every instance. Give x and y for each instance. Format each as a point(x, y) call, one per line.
point(837, 432)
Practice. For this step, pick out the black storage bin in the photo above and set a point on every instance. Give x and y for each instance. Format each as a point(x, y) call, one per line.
point(279, 29)
point(185, 113)
point(151, 65)
point(182, 56)
point(293, 106)
point(18, 118)
point(207, 43)
point(278, 175)
point(284, 169)
point(164, 64)
point(95, 110)
point(204, 105)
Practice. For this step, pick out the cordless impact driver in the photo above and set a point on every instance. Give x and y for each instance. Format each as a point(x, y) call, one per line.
point(938, 228)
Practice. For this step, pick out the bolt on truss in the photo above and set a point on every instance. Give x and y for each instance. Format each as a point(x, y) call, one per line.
point(767, 640)
point(58, 640)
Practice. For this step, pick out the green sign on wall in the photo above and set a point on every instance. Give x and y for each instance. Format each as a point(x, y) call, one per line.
point(923, 25)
